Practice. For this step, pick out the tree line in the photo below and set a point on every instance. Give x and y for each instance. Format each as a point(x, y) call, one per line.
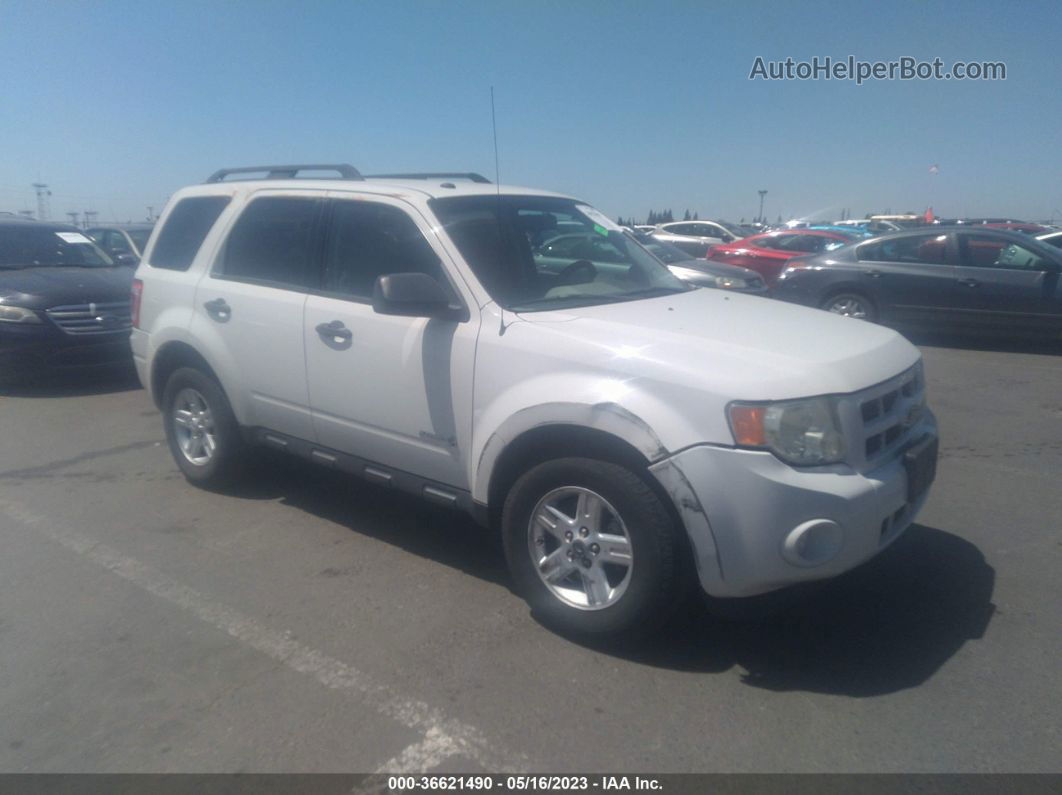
point(654, 218)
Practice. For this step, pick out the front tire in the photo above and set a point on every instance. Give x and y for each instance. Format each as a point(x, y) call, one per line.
point(592, 548)
point(201, 430)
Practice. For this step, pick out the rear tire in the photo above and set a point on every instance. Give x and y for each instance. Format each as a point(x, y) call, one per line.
point(592, 549)
point(851, 304)
point(201, 430)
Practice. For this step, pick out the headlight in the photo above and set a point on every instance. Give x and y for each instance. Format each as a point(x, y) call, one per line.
point(800, 432)
point(693, 276)
point(731, 283)
point(17, 314)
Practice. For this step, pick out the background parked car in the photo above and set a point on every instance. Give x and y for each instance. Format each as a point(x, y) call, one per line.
point(124, 243)
point(767, 253)
point(694, 237)
point(63, 302)
point(704, 273)
point(953, 278)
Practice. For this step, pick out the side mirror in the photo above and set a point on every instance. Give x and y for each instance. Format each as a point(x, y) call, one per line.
point(411, 295)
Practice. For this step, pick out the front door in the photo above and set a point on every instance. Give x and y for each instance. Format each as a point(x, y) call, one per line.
point(394, 390)
point(1004, 284)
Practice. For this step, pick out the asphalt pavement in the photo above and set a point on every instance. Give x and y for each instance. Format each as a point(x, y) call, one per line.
point(305, 622)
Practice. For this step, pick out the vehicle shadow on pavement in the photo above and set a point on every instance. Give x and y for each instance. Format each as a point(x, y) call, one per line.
point(886, 626)
point(82, 384)
point(443, 535)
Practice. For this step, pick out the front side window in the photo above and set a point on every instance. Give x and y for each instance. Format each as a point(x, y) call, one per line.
point(986, 251)
point(536, 253)
point(186, 228)
point(272, 242)
point(369, 240)
point(33, 246)
point(915, 249)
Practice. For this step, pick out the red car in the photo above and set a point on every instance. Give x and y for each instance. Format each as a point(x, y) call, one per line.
point(767, 253)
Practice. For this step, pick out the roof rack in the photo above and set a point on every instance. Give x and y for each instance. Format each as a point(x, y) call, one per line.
point(469, 175)
point(344, 171)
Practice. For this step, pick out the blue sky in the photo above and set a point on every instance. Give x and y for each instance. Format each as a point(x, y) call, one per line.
point(630, 105)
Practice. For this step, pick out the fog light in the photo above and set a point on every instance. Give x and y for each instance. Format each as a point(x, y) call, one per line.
point(813, 543)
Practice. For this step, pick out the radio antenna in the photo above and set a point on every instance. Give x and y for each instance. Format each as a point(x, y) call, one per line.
point(494, 127)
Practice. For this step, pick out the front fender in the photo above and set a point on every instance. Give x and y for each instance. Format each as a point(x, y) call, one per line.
point(637, 420)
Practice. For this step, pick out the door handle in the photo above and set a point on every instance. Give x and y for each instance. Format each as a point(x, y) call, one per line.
point(335, 330)
point(218, 309)
point(874, 274)
point(969, 282)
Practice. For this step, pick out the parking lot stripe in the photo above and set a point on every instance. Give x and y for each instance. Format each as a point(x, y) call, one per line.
point(443, 736)
point(423, 756)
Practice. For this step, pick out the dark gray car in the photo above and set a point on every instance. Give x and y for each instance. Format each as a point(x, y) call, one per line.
point(124, 243)
point(958, 278)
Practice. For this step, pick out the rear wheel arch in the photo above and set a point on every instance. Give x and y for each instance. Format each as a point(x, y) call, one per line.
point(171, 357)
point(857, 292)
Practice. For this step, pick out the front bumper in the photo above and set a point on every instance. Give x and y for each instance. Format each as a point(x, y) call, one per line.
point(745, 511)
point(36, 349)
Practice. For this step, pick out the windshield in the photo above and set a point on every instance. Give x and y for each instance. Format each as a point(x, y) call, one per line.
point(139, 238)
point(534, 253)
point(42, 247)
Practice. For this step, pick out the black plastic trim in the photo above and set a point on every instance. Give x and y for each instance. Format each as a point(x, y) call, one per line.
point(344, 171)
point(370, 471)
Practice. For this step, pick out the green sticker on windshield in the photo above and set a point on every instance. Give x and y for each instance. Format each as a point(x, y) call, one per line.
point(601, 230)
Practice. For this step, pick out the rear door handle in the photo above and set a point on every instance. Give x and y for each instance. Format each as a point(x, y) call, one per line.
point(218, 309)
point(874, 274)
point(969, 282)
point(335, 330)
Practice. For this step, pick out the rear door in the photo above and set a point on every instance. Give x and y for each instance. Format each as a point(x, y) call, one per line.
point(1004, 284)
point(390, 389)
point(911, 278)
point(249, 308)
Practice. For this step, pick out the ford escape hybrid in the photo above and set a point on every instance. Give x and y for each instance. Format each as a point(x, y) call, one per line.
point(625, 432)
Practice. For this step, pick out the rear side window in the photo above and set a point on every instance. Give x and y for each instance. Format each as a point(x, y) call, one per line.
point(915, 249)
point(185, 230)
point(273, 242)
point(371, 240)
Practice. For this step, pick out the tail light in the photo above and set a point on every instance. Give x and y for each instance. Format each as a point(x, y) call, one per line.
point(137, 294)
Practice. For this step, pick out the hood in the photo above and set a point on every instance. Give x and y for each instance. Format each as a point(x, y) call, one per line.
point(40, 288)
point(734, 346)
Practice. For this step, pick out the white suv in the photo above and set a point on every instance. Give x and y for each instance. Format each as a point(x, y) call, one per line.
point(627, 434)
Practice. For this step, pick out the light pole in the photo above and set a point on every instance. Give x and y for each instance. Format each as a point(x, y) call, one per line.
point(762, 194)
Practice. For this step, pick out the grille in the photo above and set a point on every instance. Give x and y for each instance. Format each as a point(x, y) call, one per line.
point(83, 319)
point(890, 414)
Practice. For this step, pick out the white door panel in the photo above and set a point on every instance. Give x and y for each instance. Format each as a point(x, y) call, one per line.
point(387, 393)
point(260, 347)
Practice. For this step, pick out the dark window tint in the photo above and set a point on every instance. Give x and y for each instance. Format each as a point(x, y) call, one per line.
point(116, 243)
point(1054, 240)
point(986, 251)
point(919, 249)
point(370, 240)
point(185, 230)
point(272, 242)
